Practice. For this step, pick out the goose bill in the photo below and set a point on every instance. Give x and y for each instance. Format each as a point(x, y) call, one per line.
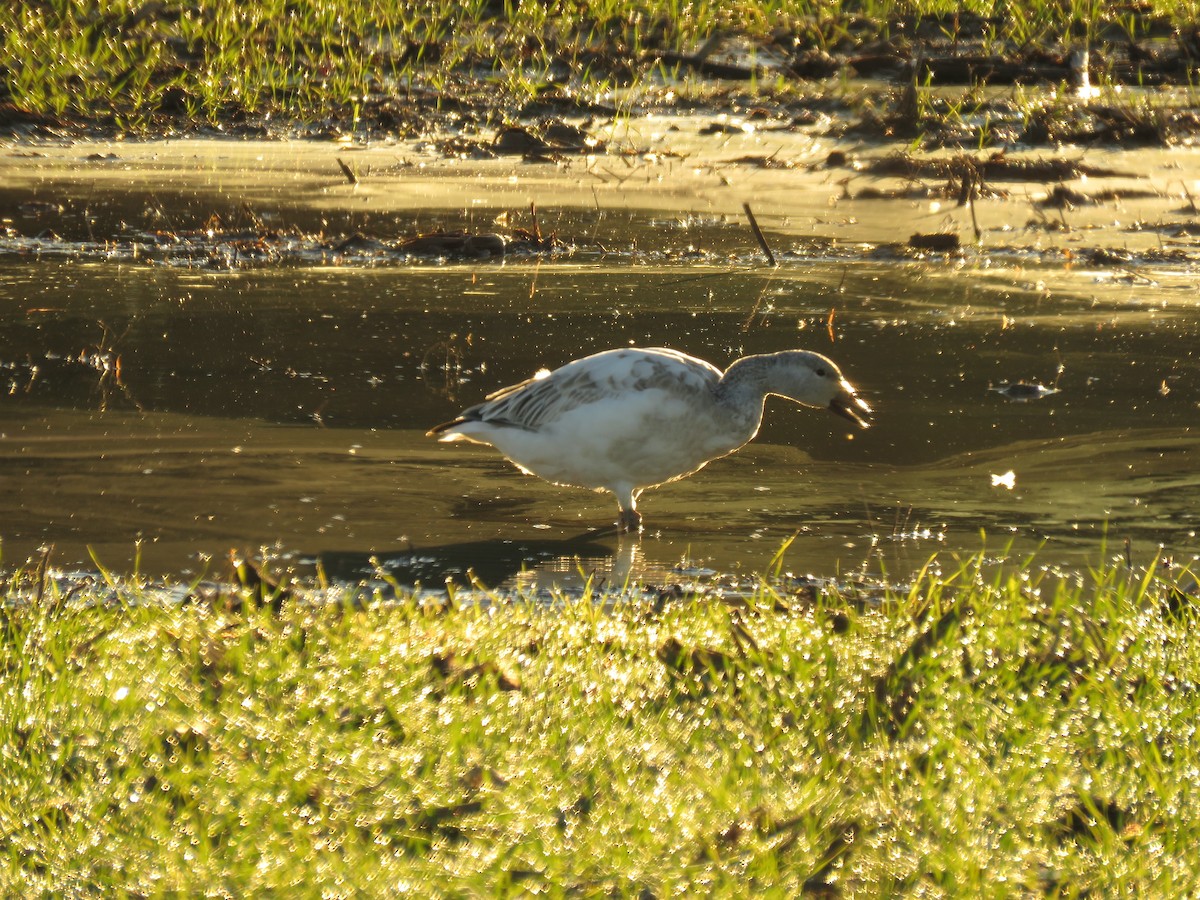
point(849, 407)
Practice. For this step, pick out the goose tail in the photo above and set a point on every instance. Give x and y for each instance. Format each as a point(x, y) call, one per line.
point(447, 431)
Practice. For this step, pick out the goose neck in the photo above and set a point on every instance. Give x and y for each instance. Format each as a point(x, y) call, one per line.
point(746, 379)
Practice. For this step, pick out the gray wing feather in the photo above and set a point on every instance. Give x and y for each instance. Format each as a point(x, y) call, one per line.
point(537, 400)
point(530, 403)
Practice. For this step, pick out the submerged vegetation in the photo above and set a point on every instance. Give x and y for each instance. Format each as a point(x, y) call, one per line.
point(372, 67)
point(1021, 733)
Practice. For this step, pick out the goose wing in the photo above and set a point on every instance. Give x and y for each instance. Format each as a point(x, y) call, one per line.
point(611, 375)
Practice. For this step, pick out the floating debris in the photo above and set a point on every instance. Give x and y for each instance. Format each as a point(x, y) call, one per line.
point(1007, 480)
point(347, 171)
point(458, 244)
point(1023, 391)
point(994, 167)
point(940, 242)
point(216, 245)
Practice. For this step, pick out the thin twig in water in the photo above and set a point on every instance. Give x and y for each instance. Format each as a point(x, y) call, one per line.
point(1135, 275)
point(347, 171)
point(533, 284)
point(758, 235)
point(599, 215)
point(703, 277)
point(750, 316)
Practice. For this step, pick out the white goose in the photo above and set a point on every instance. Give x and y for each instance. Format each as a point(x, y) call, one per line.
point(629, 419)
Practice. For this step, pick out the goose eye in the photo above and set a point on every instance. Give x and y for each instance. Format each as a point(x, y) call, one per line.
point(821, 373)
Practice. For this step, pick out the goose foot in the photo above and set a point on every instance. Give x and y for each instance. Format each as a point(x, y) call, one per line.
point(630, 520)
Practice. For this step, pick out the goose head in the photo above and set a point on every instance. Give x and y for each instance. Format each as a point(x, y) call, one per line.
point(811, 379)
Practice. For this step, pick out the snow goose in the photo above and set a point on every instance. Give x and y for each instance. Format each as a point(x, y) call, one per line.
point(628, 419)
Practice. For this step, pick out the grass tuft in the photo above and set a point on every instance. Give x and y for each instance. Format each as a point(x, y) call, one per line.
point(977, 730)
point(169, 65)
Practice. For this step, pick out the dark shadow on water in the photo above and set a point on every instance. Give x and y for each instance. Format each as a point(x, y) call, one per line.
point(490, 563)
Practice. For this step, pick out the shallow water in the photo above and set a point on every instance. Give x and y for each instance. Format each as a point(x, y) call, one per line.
point(162, 414)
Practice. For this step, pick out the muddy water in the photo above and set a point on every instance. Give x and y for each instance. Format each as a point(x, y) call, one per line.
point(189, 412)
point(160, 414)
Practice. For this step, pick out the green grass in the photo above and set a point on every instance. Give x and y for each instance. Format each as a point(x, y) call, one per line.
point(978, 735)
point(131, 63)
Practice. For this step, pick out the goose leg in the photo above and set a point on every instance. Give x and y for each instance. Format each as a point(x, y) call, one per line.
point(629, 519)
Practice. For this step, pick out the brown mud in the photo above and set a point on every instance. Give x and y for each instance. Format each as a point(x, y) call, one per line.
point(229, 204)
